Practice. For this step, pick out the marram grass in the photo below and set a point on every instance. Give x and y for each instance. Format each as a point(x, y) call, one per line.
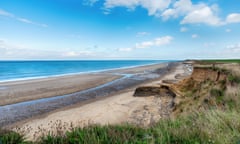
point(207, 127)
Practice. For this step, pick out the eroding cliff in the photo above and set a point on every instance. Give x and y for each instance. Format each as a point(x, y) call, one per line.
point(206, 88)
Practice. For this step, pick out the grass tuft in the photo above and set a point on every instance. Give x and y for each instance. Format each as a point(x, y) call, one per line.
point(10, 137)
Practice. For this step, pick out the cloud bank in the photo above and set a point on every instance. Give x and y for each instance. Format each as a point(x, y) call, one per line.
point(186, 10)
point(9, 50)
point(154, 7)
point(157, 42)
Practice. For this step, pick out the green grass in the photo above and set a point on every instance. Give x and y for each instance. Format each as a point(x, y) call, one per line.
point(218, 94)
point(207, 127)
point(222, 61)
point(10, 137)
point(234, 79)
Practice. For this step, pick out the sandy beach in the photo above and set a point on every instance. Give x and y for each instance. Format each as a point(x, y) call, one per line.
point(22, 100)
point(20, 91)
point(26, 90)
point(120, 107)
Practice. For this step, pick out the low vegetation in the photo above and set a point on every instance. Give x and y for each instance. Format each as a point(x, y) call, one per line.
point(234, 79)
point(208, 113)
point(10, 137)
point(209, 127)
point(222, 61)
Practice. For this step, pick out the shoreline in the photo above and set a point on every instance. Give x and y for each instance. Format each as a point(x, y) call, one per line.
point(82, 73)
point(18, 89)
point(27, 109)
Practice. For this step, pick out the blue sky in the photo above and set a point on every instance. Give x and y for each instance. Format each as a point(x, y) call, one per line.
point(119, 29)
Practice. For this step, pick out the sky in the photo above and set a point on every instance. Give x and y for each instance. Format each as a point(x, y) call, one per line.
point(119, 29)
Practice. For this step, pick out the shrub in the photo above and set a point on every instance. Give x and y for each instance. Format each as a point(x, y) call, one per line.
point(216, 92)
point(234, 79)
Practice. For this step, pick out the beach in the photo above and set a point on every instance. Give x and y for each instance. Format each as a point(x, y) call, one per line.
point(25, 99)
point(102, 98)
point(26, 90)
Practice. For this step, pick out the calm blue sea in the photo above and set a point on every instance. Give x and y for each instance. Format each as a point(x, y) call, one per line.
point(18, 70)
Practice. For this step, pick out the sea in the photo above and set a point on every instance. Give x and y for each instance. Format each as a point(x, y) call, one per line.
point(22, 70)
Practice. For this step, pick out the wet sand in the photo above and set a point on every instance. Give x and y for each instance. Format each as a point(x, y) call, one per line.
point(26, 90)
point(32, 98)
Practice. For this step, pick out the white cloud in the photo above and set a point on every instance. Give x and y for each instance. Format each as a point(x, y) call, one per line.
point(183, 29)
point(77, 53)
point(209, 44)
point(190, 13)
point(130, 4)
point(195, 36)
point(5, 13)
point(204, 15)
point(7, 45)
point(125, 49)
point(154, 7)
point(199, 13)
point(24, 20)
point(14, 51)
point(31, 22)
point(156, 42)
point(180, 8)
point(163, 40)
point(70, 54)
point(193, 13)
point(228, 30)
point(234, 48)
point(168, 13)
point(89, 2)
point(233, 18)
point(141, 34)
point(231, 51)
point(145, 44)
point(10, 50)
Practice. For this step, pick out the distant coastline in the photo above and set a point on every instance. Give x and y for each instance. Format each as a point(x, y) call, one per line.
point(14, 76)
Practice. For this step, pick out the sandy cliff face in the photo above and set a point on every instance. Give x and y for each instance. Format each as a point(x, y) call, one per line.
point(202, 74)
point(205, 88)
point(199, 77)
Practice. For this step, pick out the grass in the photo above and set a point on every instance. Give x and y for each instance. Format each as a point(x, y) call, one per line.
point(206, 127)
point(218, 94)
point(102, 135)
point(222, 61)
point(10, 137)
point(234, 79)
